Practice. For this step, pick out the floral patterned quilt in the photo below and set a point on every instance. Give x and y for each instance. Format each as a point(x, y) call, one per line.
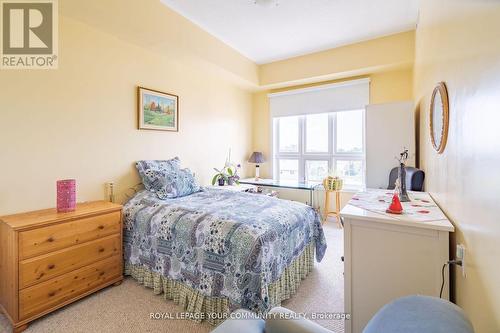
point(221, 243)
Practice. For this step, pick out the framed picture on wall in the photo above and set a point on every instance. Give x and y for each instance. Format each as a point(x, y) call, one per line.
point(157, 110)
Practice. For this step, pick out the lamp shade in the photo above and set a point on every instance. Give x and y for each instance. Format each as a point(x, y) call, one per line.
point(257, 157)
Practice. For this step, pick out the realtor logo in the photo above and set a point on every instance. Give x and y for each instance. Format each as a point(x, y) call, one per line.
point(29, 34)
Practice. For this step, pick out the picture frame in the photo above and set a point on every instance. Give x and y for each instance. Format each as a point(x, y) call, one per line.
point(157, 110)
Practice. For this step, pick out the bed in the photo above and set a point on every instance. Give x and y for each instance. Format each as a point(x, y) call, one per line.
point(217, 250)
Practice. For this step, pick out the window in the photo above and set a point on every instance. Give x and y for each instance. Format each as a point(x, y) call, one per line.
point(316, 170)
point(351, 171)
point(307, 147)
point(288, 169)
point(317, 133)
point(349, 130)
point(289, 135)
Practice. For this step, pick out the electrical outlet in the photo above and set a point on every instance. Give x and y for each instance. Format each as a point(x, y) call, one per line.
point(460, 255)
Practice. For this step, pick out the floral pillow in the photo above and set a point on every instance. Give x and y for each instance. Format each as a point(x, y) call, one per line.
point(178, 184)
point(154, 171)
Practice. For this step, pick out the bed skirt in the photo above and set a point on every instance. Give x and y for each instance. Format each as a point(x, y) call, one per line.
point(213, 309)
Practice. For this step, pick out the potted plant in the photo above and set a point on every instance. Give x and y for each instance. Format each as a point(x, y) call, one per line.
point(233, 177)
point(333, 182)
point(220, 177)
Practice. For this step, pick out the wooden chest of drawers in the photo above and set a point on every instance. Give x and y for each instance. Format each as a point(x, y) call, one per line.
point(50, 259)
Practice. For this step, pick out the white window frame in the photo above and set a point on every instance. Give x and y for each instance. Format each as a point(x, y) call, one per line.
point(302, 155)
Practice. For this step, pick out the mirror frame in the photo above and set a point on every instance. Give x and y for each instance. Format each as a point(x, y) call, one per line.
point(441, 88)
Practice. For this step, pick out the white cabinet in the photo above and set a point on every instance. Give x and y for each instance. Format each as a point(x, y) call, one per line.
point(387, 257)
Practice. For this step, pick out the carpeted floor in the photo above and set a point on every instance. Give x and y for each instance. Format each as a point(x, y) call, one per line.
point(127, 308)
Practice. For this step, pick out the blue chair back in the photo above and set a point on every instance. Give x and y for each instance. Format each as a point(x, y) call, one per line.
point(414, 179)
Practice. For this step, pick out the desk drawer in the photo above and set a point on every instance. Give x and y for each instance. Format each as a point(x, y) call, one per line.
point(49, 294)
point(45, 267)
point(55, 237)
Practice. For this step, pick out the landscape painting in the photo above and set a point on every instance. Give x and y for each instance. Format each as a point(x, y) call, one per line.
point(158, 110)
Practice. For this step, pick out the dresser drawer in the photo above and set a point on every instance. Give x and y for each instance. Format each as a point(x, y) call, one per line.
point(49, 294)
point(47, 266)
point(48, 239)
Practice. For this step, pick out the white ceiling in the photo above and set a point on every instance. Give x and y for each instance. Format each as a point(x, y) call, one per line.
point(271, 30)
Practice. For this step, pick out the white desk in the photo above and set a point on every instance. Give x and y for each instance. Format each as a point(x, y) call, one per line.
point(308, 186)
point(390, 256)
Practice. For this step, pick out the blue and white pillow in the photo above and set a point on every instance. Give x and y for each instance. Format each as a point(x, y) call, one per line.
point(153, 172)
point(178, 184)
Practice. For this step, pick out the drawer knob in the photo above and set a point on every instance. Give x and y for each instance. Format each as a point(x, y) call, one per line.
point(51, 266)
point(101, 249)
point(50, 239)
point(101, 227)
point(52, 293)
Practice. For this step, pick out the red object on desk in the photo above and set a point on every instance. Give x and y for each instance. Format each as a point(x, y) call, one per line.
point(395, 207)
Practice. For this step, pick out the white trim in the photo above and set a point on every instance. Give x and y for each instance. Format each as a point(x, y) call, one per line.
point(320, 87)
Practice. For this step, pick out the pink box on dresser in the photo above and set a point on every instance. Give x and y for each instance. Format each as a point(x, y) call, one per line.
point(66, 195)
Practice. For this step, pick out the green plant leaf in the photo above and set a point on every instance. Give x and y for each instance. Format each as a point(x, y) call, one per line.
point(230, 171)
point(214, 180)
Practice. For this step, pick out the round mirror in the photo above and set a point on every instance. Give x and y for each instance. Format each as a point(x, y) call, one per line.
point(439, 117)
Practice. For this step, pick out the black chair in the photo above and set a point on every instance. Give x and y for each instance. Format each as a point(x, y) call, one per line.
point(414, 179)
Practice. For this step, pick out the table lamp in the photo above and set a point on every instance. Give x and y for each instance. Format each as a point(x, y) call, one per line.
point(257, 158)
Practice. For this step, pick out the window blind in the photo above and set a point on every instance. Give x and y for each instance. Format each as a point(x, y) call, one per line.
point(343, 96)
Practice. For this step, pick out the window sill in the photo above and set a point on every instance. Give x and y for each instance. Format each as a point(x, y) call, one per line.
point(352, 190)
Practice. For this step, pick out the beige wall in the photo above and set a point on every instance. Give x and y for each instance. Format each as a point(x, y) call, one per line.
point(376, 55)
point(458, 42)
point(155, 27)
point(385, 87)
point(80, 120)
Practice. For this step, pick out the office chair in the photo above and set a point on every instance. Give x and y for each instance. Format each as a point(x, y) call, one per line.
point(414, 179)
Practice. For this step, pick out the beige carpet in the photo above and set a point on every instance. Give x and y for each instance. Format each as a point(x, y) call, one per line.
point(127, 308)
